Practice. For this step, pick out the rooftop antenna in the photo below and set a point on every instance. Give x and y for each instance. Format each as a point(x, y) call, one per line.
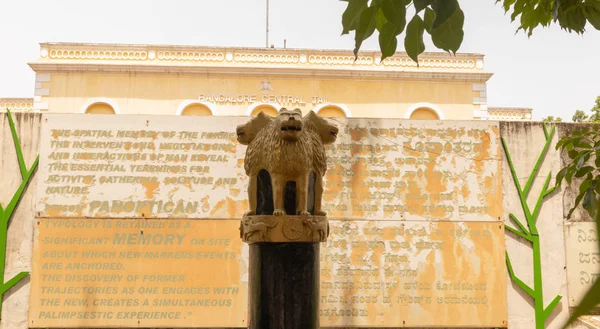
point(267, 44)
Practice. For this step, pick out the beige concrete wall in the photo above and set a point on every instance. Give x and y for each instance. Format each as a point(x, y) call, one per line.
point(21, 227)
point(524, 141)
point(151, 93)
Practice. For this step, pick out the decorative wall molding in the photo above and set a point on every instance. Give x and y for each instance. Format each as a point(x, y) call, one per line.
point(259, 57)
point(510, 113)
point(16, 104)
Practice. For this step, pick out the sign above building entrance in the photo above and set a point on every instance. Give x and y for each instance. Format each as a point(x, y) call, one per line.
point(265, 86)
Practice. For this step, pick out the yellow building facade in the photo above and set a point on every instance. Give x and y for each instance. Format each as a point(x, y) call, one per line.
point(230, 81)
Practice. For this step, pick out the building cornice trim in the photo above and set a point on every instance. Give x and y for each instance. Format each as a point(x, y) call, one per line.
point(254, 57)
point(273, 72)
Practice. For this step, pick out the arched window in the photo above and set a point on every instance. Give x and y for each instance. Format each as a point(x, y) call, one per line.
point(100, 108)
point(424, 113)
point(196, 109)
point(269, 110)
point(331, 111)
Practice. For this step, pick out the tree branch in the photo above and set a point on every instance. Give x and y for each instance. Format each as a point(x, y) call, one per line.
point(526, 237)
point(522, 196)
point(18, 149)
point(10, 283)
point(516, 280)
point(538, 204)
point(521, 226)
point(538, 163)
point(548, 310)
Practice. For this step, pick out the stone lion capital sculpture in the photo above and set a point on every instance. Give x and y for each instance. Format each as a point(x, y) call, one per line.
point(285, 162)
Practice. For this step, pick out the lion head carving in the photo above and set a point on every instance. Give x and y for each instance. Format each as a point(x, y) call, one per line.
point(289, 147)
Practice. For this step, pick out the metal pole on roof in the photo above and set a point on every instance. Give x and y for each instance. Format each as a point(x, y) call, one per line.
point(267, 44)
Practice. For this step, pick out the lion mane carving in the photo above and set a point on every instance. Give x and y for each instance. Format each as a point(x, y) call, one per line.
point(289, 147)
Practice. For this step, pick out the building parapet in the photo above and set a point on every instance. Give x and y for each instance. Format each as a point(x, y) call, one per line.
point(130, 57)
point(16, 104)
point(510, 113)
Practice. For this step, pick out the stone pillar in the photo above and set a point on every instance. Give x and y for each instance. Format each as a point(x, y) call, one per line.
point(284, 259)
point(284, 286)
point(285, 162)
point(284, 270)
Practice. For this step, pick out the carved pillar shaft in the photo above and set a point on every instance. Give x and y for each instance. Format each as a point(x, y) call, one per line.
point(284, 286)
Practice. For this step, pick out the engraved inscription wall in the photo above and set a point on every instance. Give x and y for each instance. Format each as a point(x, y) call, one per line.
point(401, 169)
point(583, 259)
point(137, 273)
point(192, 167)
point(141, 167)
point(411, 273)
point(192, 273)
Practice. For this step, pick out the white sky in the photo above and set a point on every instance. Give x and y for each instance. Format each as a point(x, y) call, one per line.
point(554, 72)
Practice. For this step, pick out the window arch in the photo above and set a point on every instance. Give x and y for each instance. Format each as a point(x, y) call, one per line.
point(100, 108)
point(268, 109)
point(196, 109)
point(332, 111)
point(424, 111)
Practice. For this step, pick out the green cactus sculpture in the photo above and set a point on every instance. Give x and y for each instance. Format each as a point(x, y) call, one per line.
point(530, 233)
point(7, 212)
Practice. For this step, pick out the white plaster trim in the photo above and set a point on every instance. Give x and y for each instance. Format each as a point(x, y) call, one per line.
point(41, 92)
point(100, 100)
point(187, 103)
point(434, 107)
point(340, 106)
point(479, 87)
point(40, 106)
point(257, 104)
point(480, 114)
point(42, 77)
point(479, 100)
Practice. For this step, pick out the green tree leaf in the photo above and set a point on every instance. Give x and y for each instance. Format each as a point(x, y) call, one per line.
point(569, 175)
point(579, 116)
point(413, 42)
point(428, 19)
point(573, 154)
point(351, 15)
point(444, 10)
point(449, 35)
point(421, 4)
point(577, 201)
point(561, 175)
point(380, 20)
point(395, 12)
point(584, 171)
point(592, 14)
point(572, 18)
point(388, 41)
point(366, 27)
